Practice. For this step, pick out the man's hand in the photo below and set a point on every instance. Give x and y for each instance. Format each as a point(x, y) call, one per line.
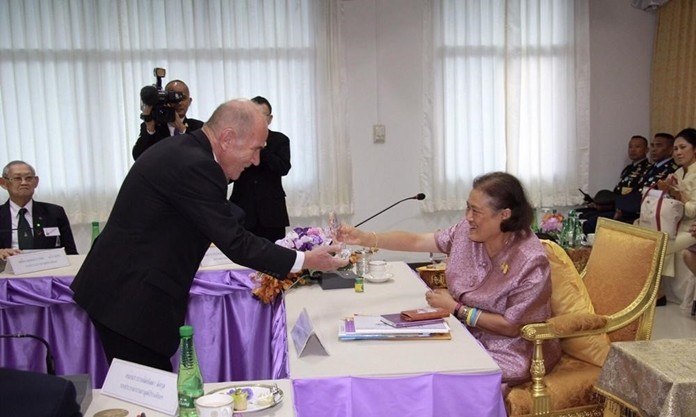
point(5, 253)
point(149, 125)
point(179, 123)
point(322, 258)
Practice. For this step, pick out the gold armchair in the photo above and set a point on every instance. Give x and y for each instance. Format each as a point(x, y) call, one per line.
point(619, 284)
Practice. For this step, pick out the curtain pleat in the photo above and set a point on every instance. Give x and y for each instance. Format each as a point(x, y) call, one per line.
point(71, 72)
point(506, 89)
point(673, 90)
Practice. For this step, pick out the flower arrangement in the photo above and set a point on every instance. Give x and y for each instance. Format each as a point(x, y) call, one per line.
point(552, 223)
point(301, 239)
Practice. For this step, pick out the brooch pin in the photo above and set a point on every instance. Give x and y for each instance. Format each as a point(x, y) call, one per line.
point(504, 268)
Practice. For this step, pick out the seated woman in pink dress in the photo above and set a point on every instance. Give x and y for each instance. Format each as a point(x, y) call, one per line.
point(498, 276)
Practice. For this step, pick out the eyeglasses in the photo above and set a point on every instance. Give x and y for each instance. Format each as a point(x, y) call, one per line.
point(19, 180)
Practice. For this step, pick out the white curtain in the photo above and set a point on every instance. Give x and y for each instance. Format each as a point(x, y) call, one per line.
point(71, 72)
point(506, 89)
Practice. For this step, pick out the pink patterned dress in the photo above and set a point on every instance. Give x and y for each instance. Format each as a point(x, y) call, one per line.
point(516, 284)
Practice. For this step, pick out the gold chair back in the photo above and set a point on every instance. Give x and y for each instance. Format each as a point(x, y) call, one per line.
point(622, 278)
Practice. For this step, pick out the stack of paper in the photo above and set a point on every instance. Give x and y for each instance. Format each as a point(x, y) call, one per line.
point(360, 327)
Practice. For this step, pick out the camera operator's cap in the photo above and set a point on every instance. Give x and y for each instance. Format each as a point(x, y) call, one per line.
point(604, 197)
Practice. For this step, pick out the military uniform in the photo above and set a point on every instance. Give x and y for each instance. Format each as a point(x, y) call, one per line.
point(629, 204)
point(632, 177)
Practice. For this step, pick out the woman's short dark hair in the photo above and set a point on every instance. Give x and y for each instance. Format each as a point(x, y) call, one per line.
point(506, 192)
point(689, 135)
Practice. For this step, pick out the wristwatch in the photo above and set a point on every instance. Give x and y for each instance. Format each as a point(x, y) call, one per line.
point(146, 117)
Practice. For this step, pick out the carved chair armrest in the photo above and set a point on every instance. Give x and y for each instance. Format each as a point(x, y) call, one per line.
point(565, 326)
point(559, 327)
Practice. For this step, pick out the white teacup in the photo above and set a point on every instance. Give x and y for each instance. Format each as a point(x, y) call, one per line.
point(378, 269)
point(589, 239)
point(214, 405)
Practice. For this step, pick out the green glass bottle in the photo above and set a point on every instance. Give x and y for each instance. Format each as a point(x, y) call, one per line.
point(189, 382)
point(95, 231)
point(535, 221)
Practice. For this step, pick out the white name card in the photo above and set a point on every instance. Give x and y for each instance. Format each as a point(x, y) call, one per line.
point(214, 256)
point(142, 385)
point(305, 338)
point(36, 260)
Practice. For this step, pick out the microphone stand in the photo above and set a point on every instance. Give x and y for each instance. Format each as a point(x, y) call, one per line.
point(415, 197)
point(50, 364)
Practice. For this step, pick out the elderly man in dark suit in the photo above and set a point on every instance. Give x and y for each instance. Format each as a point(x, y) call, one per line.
point(259, 190)
point(135, 281)
point(152, 132)
point(29, 224)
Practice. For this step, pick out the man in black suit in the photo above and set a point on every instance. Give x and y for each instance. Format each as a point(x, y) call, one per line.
point(135, 281)
point(29, 224)
point(30, 394)
point(259, 190)
point(152, 132)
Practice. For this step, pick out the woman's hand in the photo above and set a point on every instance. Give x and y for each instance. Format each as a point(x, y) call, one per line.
point(692, 229)
point(664, 185)
point(351, 236)
point(440, 297)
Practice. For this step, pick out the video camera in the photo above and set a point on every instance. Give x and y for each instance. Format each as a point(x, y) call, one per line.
point(160, 100)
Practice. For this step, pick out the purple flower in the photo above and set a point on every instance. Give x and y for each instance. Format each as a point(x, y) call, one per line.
point(304, 238)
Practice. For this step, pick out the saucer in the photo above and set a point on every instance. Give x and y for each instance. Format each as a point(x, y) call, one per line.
point(385, 278)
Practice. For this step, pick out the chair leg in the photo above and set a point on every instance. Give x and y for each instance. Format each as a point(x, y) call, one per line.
point(693, 308)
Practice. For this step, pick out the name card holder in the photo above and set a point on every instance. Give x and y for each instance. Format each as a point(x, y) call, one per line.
point(305, 338)
point(214, 256)
point(142, 385)
point(36, 260)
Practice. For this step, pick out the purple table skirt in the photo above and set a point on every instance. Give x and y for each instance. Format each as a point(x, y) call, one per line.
point(237, 337)
point(430, 395)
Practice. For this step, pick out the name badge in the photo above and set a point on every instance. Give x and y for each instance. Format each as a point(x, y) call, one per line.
point(51, 231)
point(36, 260)
point(305, 338)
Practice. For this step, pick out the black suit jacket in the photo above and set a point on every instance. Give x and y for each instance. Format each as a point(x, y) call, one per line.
point(145, 140)
point(259, 190)
point(171, 206)
point(30, 394)
point(44, 215)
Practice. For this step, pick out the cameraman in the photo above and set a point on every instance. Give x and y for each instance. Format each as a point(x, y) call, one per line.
point(152, 132)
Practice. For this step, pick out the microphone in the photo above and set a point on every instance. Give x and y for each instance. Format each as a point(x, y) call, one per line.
point(419, 196)
point(50, 364)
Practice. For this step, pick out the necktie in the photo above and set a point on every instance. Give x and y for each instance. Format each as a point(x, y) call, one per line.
point(176, 132)
point(24, 234)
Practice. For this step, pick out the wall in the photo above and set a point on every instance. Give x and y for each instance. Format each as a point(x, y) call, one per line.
point(621, 43)
point(382, 49)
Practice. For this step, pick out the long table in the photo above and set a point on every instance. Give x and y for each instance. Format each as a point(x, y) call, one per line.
point(237, 338)
point(425, 378)
point(102, 403)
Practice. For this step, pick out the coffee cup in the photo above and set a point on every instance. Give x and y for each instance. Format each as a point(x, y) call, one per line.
point(214, 405)
point(589, 239)
point(378, 269)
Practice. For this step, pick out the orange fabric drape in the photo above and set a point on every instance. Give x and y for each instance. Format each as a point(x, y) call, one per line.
point(673, 90)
